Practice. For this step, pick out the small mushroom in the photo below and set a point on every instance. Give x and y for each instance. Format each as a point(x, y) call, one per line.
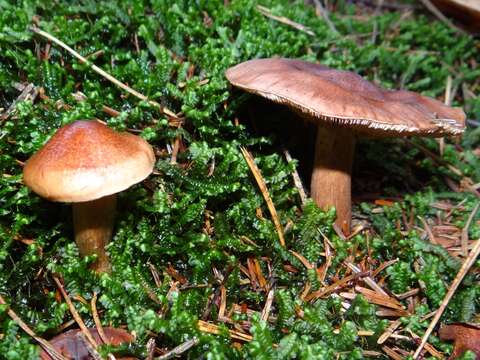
point(343, 105)
point(87, 163)
point(466, 11)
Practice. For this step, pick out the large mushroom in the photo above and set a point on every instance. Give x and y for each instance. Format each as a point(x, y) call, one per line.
point(343, 105)
point(87, 163)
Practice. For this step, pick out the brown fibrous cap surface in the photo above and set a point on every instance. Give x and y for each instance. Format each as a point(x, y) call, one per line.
point(335, 97)
point(86, 160)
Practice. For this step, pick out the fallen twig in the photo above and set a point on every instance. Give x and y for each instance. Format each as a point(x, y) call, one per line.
point(266, 12)
point(96, 319)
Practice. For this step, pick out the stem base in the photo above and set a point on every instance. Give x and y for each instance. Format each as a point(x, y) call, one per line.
point(331, 177)
point(93, 226)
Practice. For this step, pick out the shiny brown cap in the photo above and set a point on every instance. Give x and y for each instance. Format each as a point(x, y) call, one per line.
point(86, 160)
point(344, 98)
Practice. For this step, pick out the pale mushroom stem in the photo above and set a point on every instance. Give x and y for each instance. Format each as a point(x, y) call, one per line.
point(331, 176)
point(93, 225)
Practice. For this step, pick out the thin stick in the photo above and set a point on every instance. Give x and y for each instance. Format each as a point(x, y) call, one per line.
point(103, 73)
point(96, 319)
point(43, 343)
point(321, 10)
point(268, 305)
point(75, 314)
point(467, 264)
point(263, 188)
point(180, 349)
point(333, 287)
point(210, 328)
point(267, 12)
point(464, 237)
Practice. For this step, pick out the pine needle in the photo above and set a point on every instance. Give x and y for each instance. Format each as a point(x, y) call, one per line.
point(263, 188)
point(103, 72)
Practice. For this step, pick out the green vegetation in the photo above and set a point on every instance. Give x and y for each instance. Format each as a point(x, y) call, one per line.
point(203, 218)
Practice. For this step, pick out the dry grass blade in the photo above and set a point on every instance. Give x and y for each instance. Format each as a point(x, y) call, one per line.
point(383, 266)
point(335, 286)
point(464, 238)
point(258, 272)
point(223, 302)
point(266, 12)
point(75, 314)
point(467, 264)
point(389, 331)
point(263, 188)
point(103, 73)
point(380, 299)
point(302, 259)
point(268, 305)
point(428, 230)
point(328, 259)
point(296, 180)
point(43, 343)
point(214, 329)
point(392, 353)
point(368, 280)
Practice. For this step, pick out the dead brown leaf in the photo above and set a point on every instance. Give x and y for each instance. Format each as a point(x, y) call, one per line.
point(71, 345)
point(465, 336)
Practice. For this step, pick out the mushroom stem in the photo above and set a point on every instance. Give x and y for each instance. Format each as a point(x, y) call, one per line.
point(93, 225)
point(331, 177)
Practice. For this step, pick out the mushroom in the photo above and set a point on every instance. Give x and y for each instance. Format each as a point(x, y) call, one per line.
point(343, 105)
point(466, 11)
point(87, 163)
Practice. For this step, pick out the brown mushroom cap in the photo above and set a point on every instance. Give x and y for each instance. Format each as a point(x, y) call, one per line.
point(330, 96)
point(86, 160)
point(467, 11)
